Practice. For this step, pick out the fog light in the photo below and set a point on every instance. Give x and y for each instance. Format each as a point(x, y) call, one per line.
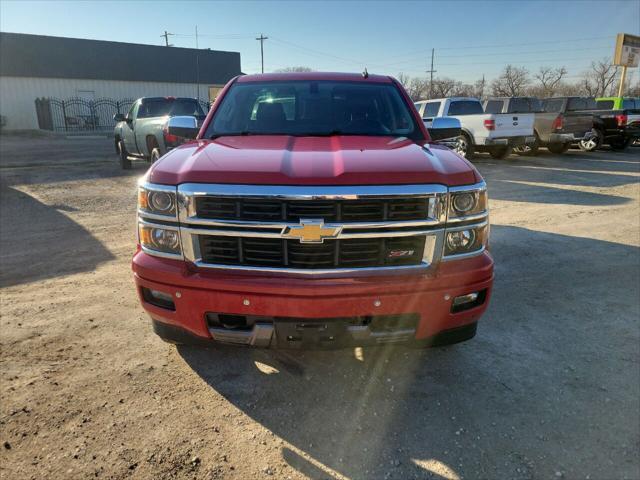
point(468, 301)
point(461, 300)
point(158, 298)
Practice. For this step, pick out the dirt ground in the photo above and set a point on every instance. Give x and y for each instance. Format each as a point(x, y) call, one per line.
point(549, 388)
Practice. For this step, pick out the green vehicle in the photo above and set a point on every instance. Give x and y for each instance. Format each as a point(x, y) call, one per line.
point(618, 103)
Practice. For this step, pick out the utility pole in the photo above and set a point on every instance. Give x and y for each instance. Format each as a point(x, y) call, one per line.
point(482, 87)
point(166, 38)
point(262, 38)
point(197, 67)
point(431, 72)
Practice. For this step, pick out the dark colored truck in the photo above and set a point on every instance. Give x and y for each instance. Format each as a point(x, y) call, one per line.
point(557, 125)
point(617, 122)
point(313, 210)
point(142, 132)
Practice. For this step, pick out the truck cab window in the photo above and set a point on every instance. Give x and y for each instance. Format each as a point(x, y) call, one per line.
point(465, 107)
point(431, 109)
point(553, 106)
point(494, 106)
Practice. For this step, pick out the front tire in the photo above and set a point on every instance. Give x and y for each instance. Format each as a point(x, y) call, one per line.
point(620, 144)
point(593, 143)
point(558, 148)
point(500, 153)
point(125, 163)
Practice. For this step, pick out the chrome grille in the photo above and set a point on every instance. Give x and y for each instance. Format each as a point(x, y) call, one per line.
point(363, 228)
point(282, 253)
point(270, 210)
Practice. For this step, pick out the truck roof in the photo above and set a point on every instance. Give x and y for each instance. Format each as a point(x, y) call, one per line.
point(329, 76)
point(448, 98)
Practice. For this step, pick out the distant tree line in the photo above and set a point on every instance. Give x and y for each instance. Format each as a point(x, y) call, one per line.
point(599, 81)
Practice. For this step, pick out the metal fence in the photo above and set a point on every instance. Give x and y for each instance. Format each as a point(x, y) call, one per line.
point(78, 115)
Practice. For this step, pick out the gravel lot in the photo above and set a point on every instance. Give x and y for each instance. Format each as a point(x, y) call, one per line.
point(549, 388)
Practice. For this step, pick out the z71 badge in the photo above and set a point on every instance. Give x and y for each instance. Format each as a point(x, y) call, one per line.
point(400, 253)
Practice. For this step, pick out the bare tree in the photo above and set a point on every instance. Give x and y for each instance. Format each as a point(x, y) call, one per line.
point(479, 88)
point(416, 87)
point(463, 90)
point(599, 79)
point(549, 79)
point(443, 87)
point(294, 69)
point(404, 79)
point(512, 82)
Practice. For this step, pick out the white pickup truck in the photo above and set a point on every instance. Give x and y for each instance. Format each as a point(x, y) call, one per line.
point(496, 133)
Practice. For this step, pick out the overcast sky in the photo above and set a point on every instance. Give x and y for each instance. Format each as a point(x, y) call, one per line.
point(470, 38)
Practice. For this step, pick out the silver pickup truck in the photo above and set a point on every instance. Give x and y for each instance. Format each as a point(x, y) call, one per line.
point(142, 133)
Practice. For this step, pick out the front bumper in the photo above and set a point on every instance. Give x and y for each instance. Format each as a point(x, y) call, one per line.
point(323, 309)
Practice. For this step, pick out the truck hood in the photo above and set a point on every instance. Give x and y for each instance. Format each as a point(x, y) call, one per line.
point(288, 160)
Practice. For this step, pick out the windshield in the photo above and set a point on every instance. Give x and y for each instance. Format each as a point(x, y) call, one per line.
point(310, 108)
point(159, 107)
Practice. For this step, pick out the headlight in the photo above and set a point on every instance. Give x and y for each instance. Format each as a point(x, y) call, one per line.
point(157, 199)
point(465, 203)
point(466, 240)
point(158, 239)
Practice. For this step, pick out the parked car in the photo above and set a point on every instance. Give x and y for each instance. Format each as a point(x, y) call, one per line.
point(315, 209)
point(142, 132)
point(619, 126)
point(495, 133)
point(555, 126)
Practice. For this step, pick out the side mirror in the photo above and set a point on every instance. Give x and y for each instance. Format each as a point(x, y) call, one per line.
point(118, 117)
point(444, 128)
point(183, 126)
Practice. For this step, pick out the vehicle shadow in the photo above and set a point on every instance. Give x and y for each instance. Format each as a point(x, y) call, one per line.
point(561, 179)
point(532, 395)
point(56, 245)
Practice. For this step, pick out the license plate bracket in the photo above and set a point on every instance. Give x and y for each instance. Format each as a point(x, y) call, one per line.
point(309, 333)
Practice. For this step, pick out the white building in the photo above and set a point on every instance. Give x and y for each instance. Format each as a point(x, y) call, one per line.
point(36, 66)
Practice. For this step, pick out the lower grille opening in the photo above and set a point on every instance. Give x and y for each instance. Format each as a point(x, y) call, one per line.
point(233, 322)
point(377, 323)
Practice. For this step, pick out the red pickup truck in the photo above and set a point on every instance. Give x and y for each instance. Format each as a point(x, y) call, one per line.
point(313, 210)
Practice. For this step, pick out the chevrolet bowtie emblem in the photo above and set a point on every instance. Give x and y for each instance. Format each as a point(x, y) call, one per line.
point(311, 231)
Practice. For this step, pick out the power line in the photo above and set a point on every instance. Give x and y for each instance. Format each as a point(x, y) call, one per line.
point(316, 52)
point(475, 55)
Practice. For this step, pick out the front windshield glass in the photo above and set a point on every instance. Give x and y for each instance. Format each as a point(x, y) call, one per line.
point(311, 108)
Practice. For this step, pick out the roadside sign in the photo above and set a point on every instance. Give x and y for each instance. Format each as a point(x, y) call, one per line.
point(627, 53)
